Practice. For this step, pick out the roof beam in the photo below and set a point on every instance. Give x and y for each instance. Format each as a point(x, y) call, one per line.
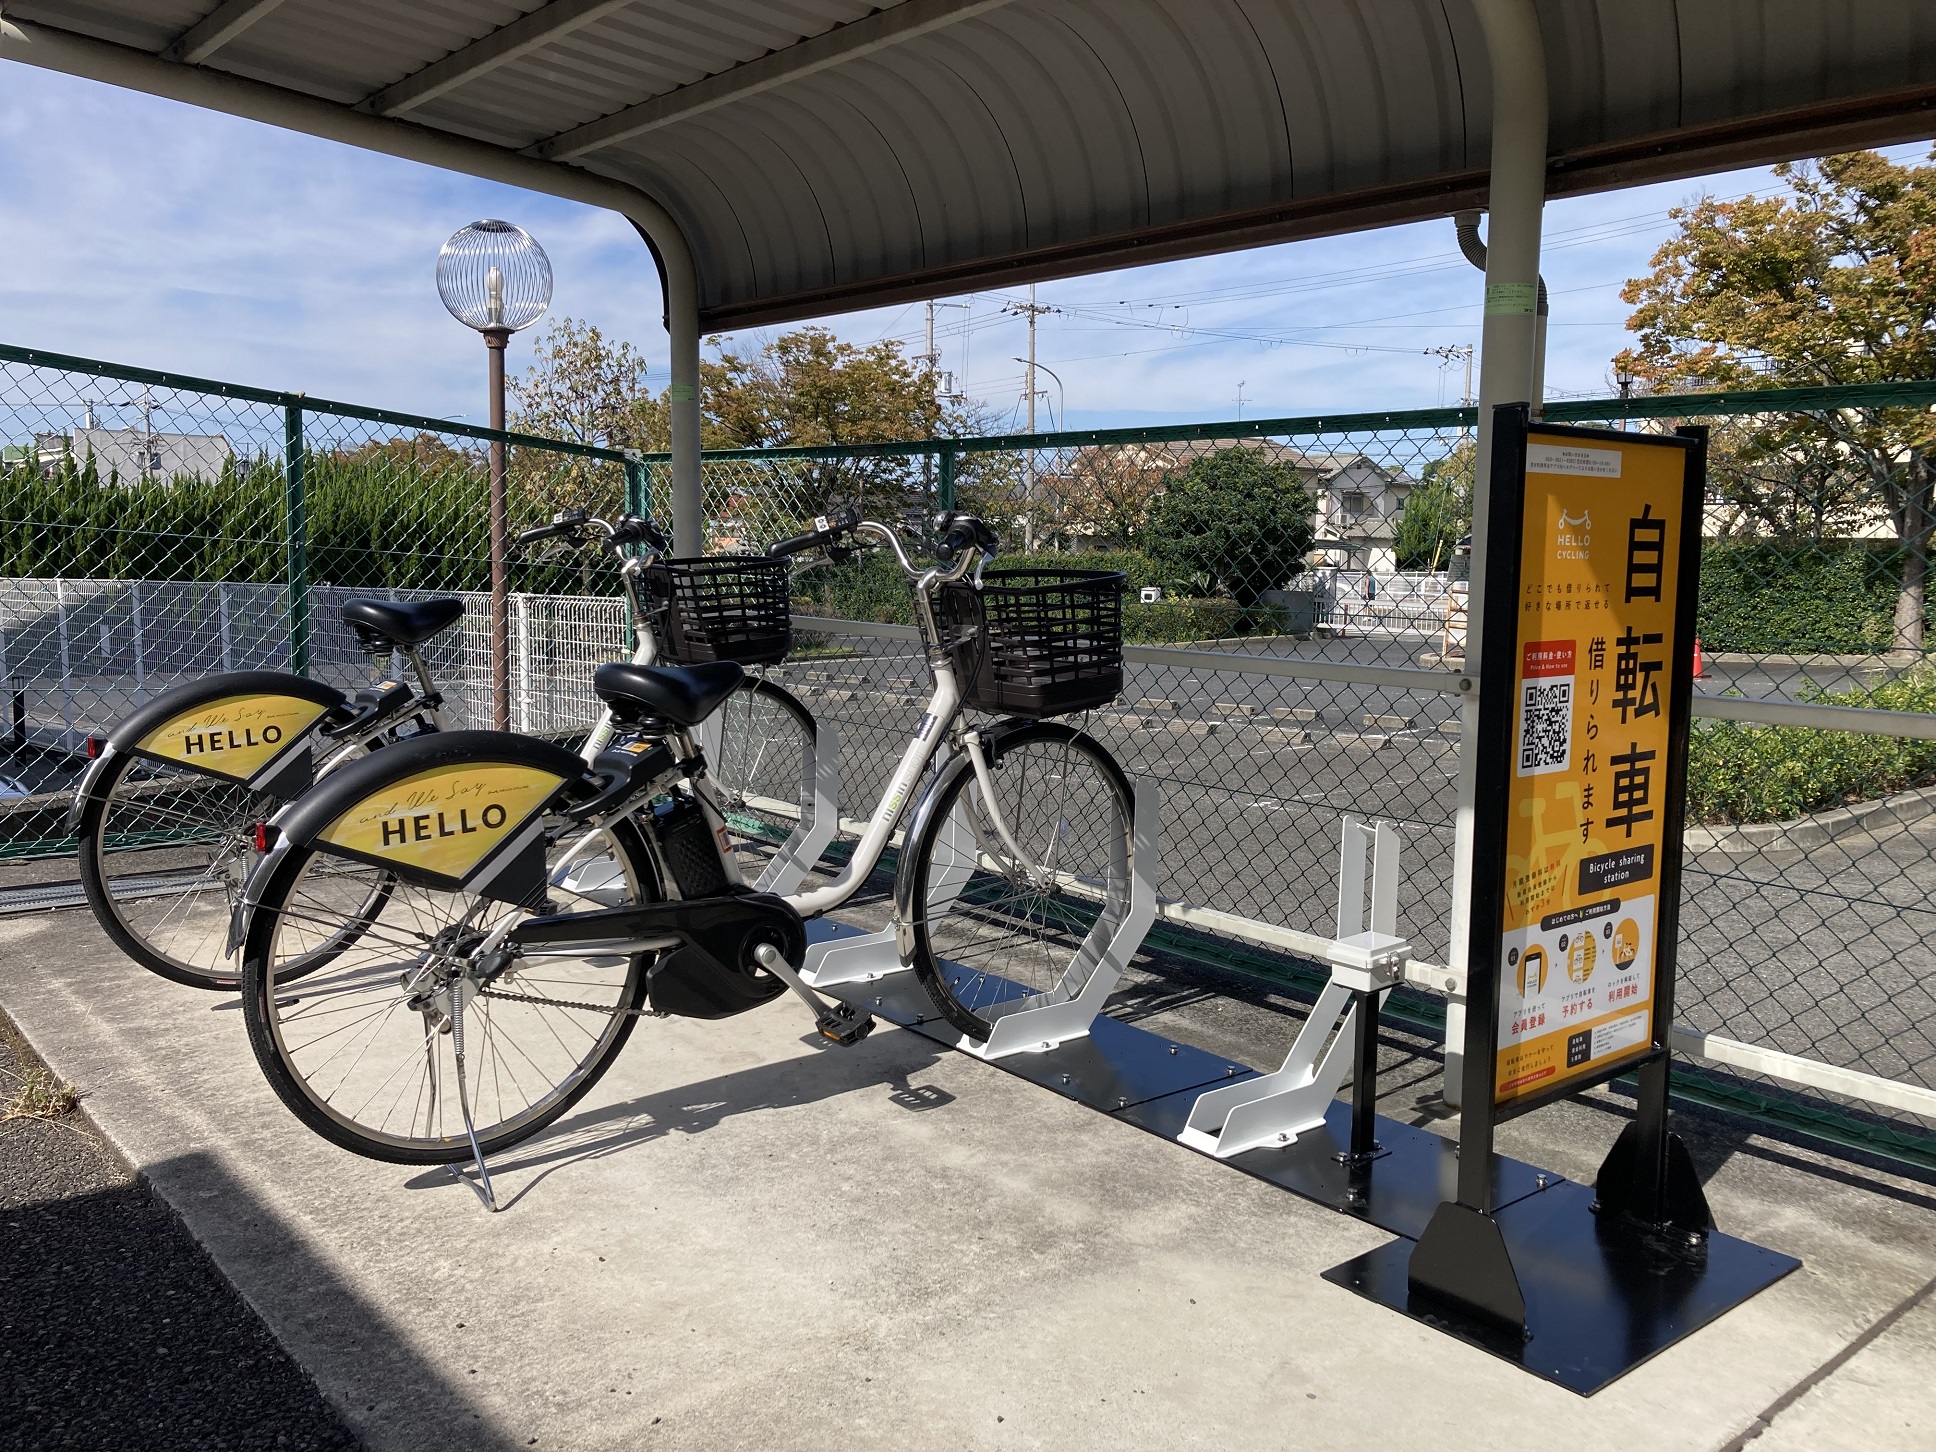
point(861, 37)
point(216, 29)
point(485, 54)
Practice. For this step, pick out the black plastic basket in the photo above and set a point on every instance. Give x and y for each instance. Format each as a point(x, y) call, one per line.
point(1037, 642)
point(726, 607)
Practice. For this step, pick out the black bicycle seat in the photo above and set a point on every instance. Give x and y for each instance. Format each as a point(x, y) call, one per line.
point(400, 622)
point(683, 695)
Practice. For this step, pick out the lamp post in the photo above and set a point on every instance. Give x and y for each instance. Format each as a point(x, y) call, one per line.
point(494, 277)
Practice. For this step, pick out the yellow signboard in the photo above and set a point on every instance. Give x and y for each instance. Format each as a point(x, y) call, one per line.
point(445, 820)
point(235, 736)
point(1586, 804)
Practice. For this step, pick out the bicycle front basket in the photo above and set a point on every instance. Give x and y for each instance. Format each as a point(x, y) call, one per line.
point(1037, 642)
point(726, 607)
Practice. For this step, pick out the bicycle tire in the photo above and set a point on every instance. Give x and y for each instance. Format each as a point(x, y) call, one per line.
point(364, 965)
point(973, 910)
point(184, 939)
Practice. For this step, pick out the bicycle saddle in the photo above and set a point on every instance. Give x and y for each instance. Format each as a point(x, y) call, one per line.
point(402, 622)
point(683, 695)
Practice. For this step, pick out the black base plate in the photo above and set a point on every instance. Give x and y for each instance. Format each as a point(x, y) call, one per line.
point(1602, 1294)
point(1150, 1081)
point(1397, 1191)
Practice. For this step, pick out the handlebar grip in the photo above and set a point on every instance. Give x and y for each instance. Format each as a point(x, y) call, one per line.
point(540, 532)
point(639, 529)
point(780, 549)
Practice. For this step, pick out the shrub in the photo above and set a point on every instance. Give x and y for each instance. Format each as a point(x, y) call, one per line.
point(1830, 597)
point(1745, 773)
point(1235, 520)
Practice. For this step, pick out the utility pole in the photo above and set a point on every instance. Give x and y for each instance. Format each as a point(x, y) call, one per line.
point(1451, 353)
point(1032, 310)
point(1240, 400)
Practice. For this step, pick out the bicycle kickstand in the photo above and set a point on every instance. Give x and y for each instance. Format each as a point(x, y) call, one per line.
point(481, 1186)
point(841, 1023)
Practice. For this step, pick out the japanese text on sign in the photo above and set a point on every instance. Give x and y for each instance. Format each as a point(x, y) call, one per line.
point(1584, 815)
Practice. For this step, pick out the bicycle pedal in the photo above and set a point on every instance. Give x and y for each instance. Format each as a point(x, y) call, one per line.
point(845, 1025)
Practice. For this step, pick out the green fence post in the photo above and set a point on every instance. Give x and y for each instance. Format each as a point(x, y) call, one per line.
point(947, 483)
point(295, 507)
point(638, 485)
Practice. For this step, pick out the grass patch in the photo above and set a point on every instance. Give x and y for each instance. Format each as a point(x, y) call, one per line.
point(40, 1094)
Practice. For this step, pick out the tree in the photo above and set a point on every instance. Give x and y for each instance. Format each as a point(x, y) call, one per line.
point(587, 389)
point(809, 388)
point(1235, 519)
point(1437, 513)
point(1769, 479)
point(1104, 493)
point(1835, 284)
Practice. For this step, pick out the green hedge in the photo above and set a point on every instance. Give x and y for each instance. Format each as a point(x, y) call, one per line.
point(1744, 773)
point(373, 524)
point(1832, 597)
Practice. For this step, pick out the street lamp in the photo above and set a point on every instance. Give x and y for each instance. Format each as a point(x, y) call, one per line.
point(494, 277)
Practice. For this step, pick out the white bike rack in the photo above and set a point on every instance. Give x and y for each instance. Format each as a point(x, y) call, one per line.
point(820, 785)
point(1366, 961)
point(1044, 1020)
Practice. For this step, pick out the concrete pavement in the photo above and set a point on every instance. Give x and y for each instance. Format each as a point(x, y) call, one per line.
point(742, 1239)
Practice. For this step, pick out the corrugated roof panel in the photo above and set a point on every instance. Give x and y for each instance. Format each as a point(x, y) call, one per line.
point(1047, 133)
point(349, 48)
point(145, 24)
point(967, 194)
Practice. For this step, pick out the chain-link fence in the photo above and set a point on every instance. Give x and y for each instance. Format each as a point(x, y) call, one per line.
point(1296, 619)
point(154, 529)
point(1296, 599)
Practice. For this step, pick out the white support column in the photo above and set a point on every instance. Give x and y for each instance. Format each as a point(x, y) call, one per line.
point(682, 322)
point(1509, 350)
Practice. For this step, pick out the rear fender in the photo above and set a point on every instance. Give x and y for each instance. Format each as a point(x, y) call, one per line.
point(252, 727)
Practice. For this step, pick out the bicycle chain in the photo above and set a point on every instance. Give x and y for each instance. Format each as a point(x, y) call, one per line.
point(564, 1003)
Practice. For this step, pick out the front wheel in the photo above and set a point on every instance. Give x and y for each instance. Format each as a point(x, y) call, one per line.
point(760, 748)
point(363, 1051)
point(1012, 893)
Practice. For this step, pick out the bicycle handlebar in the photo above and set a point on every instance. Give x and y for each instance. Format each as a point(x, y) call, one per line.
point(826, 532)
point(571, 525)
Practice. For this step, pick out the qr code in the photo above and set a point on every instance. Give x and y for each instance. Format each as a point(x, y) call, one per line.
point(1545, 726)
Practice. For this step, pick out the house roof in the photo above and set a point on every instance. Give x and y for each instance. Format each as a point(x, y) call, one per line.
point(821, 155)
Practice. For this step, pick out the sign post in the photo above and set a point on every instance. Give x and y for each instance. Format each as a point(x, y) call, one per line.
point(1585, 686)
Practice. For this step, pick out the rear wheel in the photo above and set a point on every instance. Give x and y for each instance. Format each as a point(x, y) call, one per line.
point(1013, 893)
point(363, 1051)
point(163, 855)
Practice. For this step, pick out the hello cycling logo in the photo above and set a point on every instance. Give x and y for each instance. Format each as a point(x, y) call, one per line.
point(1574, 538)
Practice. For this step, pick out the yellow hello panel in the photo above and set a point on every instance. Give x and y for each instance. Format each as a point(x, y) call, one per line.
point(235, 736)
point(444, 820)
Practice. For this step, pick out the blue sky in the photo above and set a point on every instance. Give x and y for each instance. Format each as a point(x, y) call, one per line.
point(147, 232)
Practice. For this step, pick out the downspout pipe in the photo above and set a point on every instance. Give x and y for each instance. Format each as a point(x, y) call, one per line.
point(1516, 57)
point(136, 70)
point(1473, 247)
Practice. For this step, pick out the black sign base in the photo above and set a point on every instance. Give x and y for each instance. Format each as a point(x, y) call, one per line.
point(1602, 1293)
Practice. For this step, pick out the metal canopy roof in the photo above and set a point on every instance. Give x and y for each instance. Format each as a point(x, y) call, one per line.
point(822, 155)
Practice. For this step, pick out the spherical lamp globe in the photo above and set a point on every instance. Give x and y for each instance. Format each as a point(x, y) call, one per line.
point(493, 276)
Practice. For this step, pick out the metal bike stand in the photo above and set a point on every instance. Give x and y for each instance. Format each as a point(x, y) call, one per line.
point(1341, 1034)
point(820, 785)
point(875, 955)
point(1046, 1020)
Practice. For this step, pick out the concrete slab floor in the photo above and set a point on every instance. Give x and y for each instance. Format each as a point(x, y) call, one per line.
point(743, 1239)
